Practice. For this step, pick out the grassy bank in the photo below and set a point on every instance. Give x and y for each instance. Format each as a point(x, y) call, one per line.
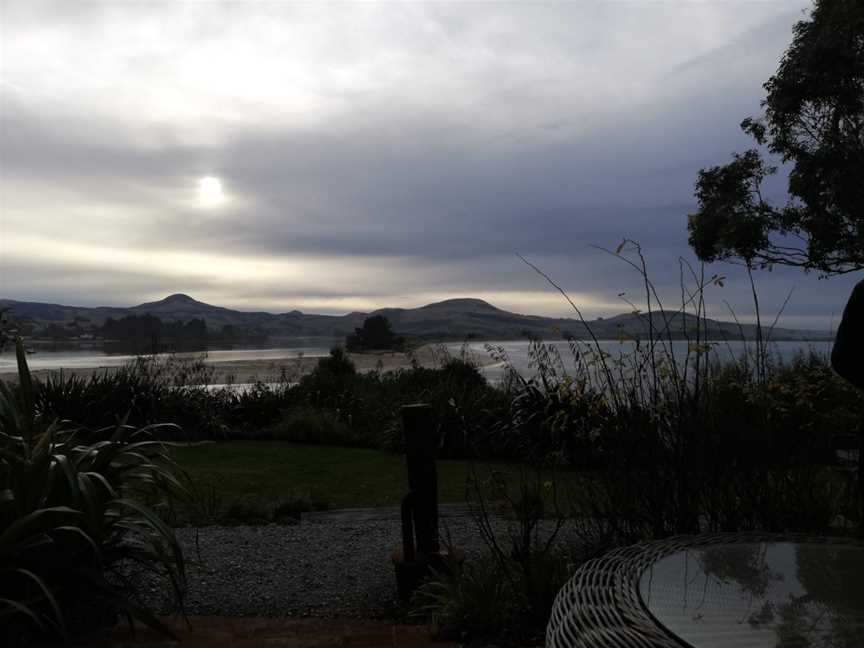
point(336, 476)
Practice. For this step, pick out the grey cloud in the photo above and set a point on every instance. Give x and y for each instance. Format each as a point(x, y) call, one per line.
point(524, 162)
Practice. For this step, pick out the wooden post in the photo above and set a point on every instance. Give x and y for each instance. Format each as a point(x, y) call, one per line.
point(408, 553)
point(420, 550)
point(421, 445)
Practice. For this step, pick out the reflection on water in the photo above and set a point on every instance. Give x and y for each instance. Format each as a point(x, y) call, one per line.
point(769, 595)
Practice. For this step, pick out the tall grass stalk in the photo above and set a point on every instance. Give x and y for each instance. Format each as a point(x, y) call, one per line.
point(678, 442)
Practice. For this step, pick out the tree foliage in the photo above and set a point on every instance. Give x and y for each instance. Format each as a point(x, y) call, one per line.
point(375, 333)
point(142, 327)
point(813, 120)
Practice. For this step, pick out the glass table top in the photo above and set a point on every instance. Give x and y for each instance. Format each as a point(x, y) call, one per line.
point(762, 595)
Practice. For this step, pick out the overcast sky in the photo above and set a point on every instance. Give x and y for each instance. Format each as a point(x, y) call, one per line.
point(349, 156)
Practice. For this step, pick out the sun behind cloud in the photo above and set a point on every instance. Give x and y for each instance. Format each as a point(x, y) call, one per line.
point(210, 192)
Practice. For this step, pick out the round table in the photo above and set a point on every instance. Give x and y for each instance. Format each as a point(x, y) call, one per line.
point(718, 591)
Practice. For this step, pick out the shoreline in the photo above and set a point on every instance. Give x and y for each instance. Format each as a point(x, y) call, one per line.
point(276, 369)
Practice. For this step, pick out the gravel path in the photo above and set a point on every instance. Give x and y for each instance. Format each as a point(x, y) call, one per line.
point(330, 566)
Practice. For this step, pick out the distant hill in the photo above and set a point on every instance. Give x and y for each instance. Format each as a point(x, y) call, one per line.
point(449, 319)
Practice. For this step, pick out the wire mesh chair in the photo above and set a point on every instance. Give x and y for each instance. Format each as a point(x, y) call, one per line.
point(601, 606)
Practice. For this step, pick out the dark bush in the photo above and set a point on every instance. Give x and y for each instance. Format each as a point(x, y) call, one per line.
point(306, 425)
point(332, 404)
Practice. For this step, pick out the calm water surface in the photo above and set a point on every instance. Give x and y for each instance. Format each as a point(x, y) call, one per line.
point(98, 358)
point(517, 353)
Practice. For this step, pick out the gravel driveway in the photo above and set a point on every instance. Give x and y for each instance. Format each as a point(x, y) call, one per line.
point(329, 565)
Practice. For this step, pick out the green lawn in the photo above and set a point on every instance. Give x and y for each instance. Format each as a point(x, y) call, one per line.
point(341, 477)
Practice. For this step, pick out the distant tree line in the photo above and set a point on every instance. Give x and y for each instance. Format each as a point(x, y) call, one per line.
point(141, 327)
point(230, 332)
point(149, 327)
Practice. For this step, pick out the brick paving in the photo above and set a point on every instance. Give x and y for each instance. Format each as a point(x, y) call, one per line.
point(252, 632)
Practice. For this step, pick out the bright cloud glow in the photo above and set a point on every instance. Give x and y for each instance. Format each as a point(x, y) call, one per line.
point(210, 193)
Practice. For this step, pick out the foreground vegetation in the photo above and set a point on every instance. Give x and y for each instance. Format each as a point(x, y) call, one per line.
point(78, 507)
point(333, 405)
point(621, 449)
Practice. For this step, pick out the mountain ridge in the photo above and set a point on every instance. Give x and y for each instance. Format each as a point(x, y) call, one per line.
point(448, 319)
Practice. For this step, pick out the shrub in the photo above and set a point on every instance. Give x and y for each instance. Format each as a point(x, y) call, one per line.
point(492, 599)
point(246, 512)
point(676, 442)
point(306, 425)
point(204, 502)
point(332, 404)
point(72, 515)
point(290, 508)
point(369, 404)
point(479, 601)
point(336, 364)
point(145, 391)
point(247, 414)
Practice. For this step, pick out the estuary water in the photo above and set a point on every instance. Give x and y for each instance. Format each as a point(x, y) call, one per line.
point(519, 357)
point(516, 352)
point(100, 358)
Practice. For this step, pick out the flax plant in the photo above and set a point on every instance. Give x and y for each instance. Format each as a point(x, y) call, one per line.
point(74, 522)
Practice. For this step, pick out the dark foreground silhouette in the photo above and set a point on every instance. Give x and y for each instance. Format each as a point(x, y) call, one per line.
point(847, 358)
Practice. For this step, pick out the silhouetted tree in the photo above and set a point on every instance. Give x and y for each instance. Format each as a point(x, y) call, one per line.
point(7, 329)
point(145, 327)
point(337, 363)
point(814, 120)
point(375, 333)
